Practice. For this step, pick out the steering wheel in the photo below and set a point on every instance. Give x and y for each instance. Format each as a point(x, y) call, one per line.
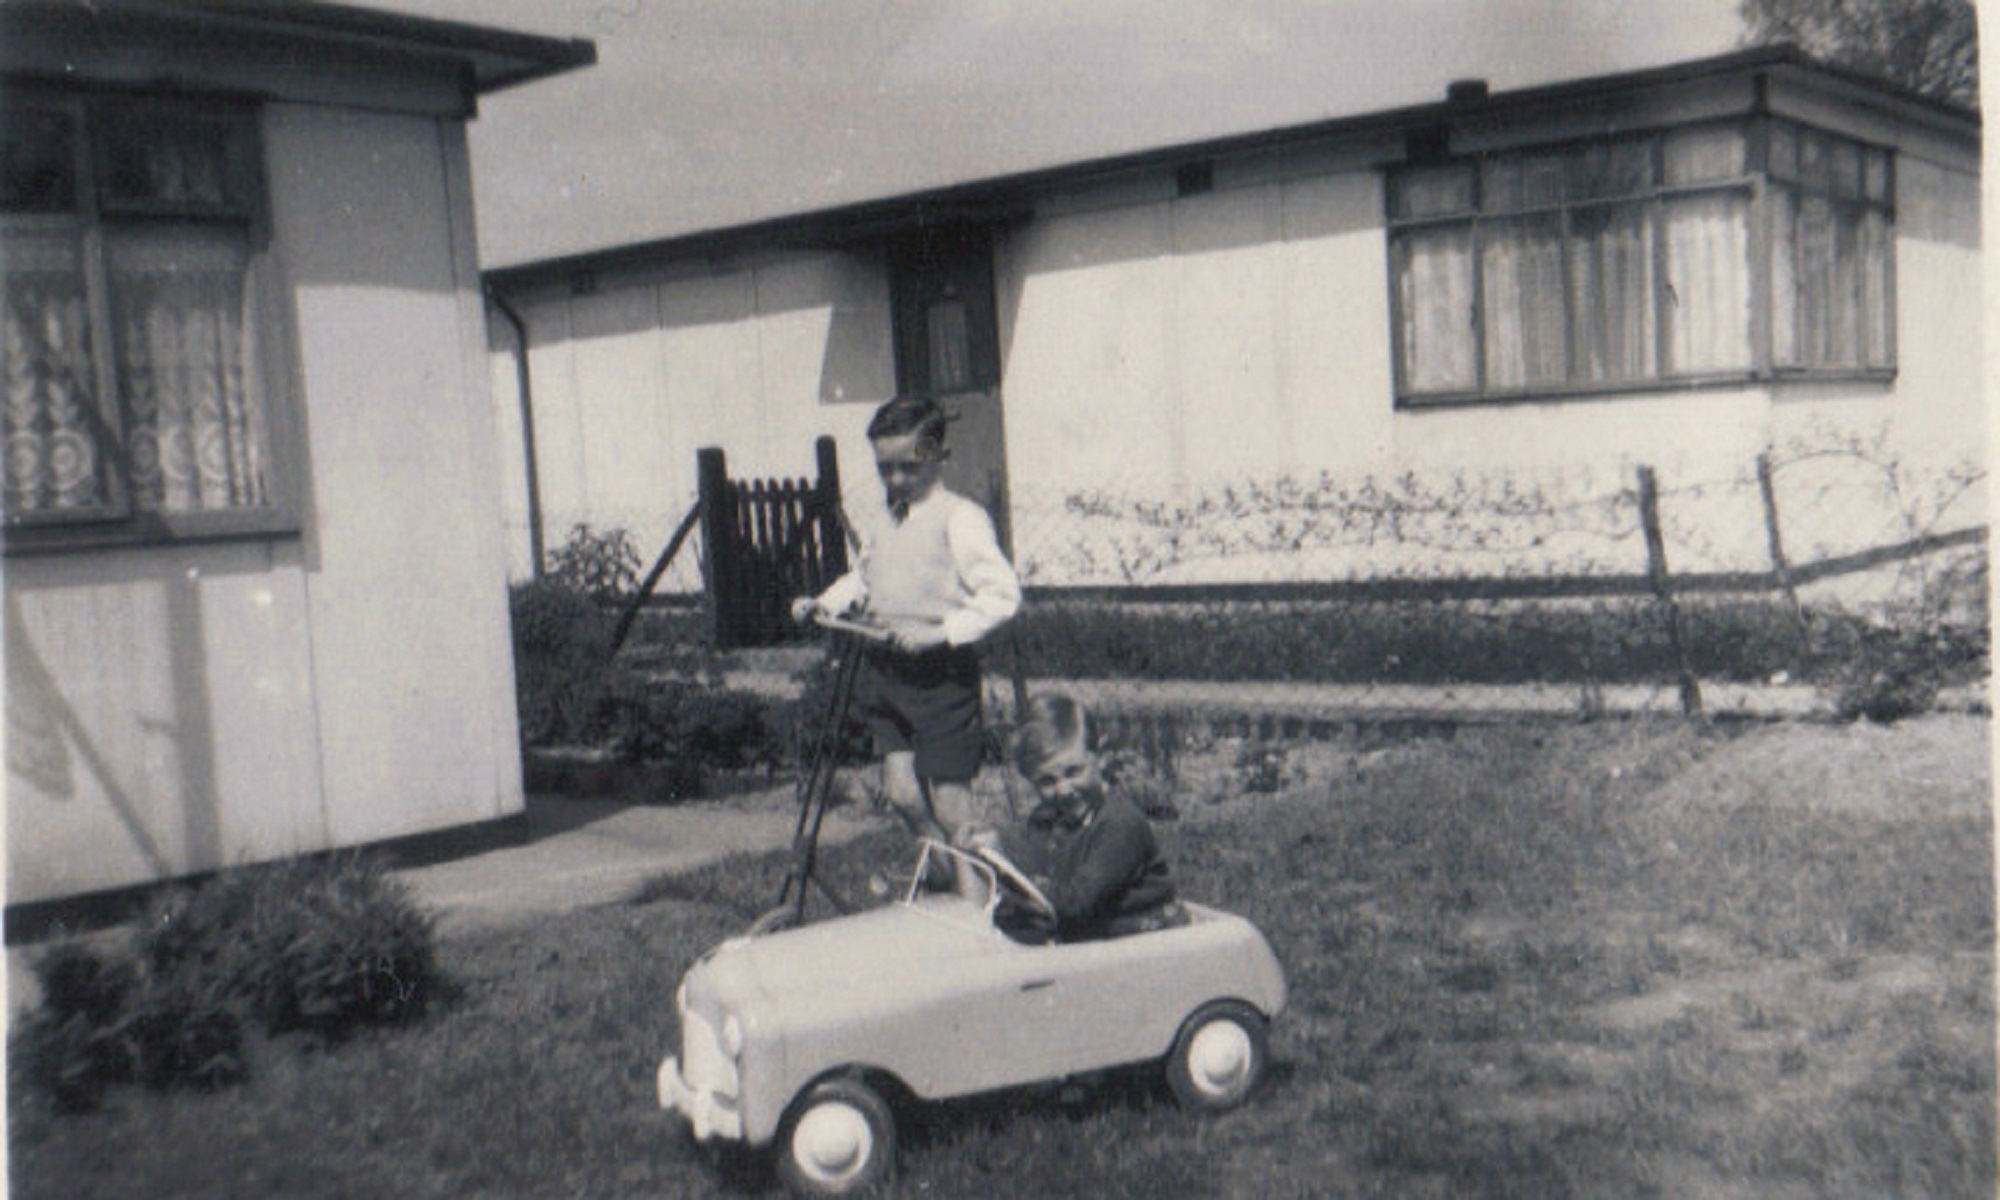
point(1015, 884)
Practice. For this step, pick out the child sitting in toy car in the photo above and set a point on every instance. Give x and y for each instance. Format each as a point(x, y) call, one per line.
point(1091, 853)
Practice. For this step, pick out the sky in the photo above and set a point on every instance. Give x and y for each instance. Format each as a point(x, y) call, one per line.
point(702, 114)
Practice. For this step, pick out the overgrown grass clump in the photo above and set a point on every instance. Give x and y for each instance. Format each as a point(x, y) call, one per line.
point(323, 948)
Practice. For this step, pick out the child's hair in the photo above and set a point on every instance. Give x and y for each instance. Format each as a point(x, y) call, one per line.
point(1054, 723)
point(911, 414)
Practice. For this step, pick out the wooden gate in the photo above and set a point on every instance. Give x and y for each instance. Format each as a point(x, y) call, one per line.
point(767, 541)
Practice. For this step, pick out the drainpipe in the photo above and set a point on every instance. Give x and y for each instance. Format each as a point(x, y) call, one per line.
point(527, 397)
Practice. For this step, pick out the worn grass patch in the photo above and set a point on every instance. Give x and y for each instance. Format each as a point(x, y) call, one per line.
point(1620, 959)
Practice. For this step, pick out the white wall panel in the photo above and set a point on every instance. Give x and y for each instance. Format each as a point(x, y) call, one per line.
point(404, 587)
point(159, 716)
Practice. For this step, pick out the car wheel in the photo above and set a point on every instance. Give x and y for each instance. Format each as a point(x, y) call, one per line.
point(840, 1139)
point(1219, 1057)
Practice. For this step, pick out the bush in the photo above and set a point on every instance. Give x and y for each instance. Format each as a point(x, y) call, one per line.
point(561, 677)
point(555, 621)
point(1610, 641)
point(569, 692)
point(185, 1031)
point(602, 566)
point(716, 728)
point(1885, 675)
point(1421, 642)
point(323, 947)
point(74, 1046)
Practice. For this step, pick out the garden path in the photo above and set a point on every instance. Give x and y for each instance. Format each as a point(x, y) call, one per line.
point(573, 853)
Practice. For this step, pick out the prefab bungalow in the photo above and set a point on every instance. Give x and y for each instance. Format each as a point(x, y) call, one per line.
point(1534, 291)
point(254, 564)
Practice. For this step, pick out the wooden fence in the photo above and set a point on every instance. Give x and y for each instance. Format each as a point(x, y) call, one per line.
point(767, 541)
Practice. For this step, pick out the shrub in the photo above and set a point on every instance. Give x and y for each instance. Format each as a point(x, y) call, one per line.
point(602, 566)
point(324, 947)
point(561, 678)
point(718, 728)
point(568, 691)
point(1609, 641)
point(73, 1047)
point(553, 620)
point(1885, 675)
point(186, 1031)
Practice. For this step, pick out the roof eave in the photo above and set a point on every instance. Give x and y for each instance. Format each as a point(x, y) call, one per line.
point(495, 58)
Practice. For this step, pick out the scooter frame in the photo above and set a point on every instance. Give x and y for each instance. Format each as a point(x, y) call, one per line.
point(850, 642)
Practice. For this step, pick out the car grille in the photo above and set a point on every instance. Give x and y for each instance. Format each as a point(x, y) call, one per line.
point(703, 1063)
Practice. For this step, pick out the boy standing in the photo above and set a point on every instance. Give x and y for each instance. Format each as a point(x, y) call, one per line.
point(932, 574)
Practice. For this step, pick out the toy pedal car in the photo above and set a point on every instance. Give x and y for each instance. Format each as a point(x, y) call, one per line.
point(798, 1037)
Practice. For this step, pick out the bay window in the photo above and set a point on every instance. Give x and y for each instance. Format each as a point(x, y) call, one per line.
point(134, 401)
point(1715, 252)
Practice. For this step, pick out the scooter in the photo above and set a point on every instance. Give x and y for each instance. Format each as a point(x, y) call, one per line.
point(851, 638)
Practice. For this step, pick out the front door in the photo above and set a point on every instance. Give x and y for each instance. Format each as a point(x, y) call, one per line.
point(948, 348)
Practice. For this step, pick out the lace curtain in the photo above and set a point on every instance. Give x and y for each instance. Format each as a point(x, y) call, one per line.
point(128, 371)
point(52, 459)
point(179, 334)
point(193, 437)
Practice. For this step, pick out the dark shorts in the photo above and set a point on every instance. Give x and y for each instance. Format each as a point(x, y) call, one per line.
point(927, 703)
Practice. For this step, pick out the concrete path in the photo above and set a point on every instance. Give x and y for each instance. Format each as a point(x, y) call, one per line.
point(579, 853)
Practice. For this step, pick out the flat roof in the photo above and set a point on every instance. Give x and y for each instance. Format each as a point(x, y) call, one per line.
point(493, 58)
point(996, 197)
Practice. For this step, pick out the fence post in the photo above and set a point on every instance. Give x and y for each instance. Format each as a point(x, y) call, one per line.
point(1656, 571)
point(718, 538)
point(1781, 569)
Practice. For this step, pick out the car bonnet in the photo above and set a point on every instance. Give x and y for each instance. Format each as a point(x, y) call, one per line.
point(874, 946)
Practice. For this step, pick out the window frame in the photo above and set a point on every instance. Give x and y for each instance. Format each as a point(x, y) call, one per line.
point(92, 224)
point(1774, 183)
point(1753, 183)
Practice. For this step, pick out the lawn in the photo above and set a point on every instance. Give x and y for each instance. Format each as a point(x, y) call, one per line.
point(1613, 959)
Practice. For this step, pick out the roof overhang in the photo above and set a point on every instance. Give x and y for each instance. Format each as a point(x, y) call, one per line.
point(282, 48)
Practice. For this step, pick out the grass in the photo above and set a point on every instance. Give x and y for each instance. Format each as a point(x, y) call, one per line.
point(1617, 959)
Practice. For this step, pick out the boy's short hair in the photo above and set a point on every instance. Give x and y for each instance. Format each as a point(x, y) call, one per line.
point(1054, 723)
point(905, 415)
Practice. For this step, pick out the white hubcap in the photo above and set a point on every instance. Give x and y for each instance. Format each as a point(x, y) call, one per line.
point(1219, 1058)
point(832, 1143)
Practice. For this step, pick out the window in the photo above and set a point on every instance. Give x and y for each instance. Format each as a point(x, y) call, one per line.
point(1830, 221)
point(945, 339)
point(134, 401)
point(1633, 261)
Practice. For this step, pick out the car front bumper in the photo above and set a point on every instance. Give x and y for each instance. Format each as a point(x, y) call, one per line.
point(711, 1113)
